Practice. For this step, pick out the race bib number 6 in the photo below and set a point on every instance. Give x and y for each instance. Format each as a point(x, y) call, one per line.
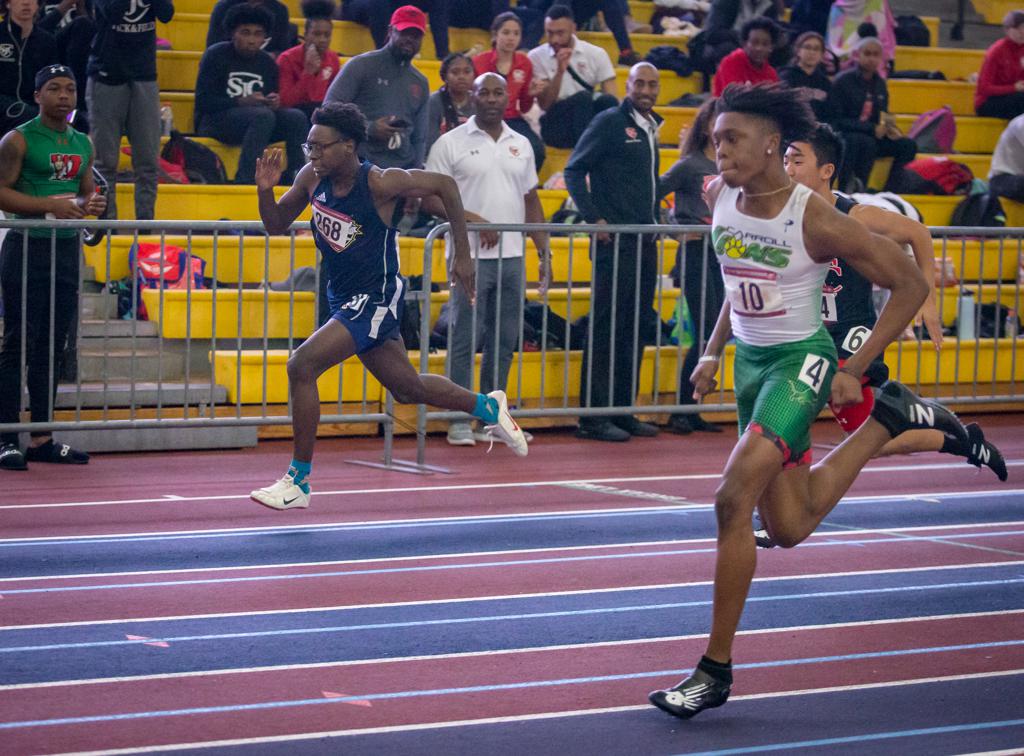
point(753, 293)
point(855, 338)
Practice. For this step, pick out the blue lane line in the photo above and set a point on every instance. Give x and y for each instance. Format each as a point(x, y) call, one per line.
point(506, 617)
point(474, 565)
point(484, 688)
point(974, 726)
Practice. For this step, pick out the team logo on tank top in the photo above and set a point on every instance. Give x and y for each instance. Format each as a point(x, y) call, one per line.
point(738, 245)
point(337, 229)
point(65, 167)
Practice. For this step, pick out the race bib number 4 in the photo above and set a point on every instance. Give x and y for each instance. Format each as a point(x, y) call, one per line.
point(828, 307)
point(753, 293)
point(814, 371)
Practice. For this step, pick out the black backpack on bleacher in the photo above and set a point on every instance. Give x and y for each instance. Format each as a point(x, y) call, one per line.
point(201, 164)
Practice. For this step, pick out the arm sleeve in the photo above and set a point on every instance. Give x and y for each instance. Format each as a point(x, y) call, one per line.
point(605, 70)
point(273, 83)
point(845, 109)
point(433, 120)
point(672, 180)
point(988, 86)
point(525, 98)
point(345, 86)
point(419, 132)
point(724, 76)
point(439, 159)
point(289, 81)
point(211, 92)
point(587, 154)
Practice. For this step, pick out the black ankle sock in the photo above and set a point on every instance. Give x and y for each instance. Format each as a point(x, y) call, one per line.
point(721, 672)
point(951, 445)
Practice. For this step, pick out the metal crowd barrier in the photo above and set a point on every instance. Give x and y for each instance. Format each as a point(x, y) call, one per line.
point(134, 376)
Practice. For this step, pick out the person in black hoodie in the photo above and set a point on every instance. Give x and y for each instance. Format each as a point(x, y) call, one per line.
point(280, 34)
point(619, 153)
point(859, 105)
point(72, 25)
point(237, 99)
point(808, 71)
point(24, 48)
point(123, 95)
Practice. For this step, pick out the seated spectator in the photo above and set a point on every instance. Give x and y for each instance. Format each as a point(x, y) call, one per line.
point(1000, 90)
point(845, 23)
point(808, 71)
point(575, 80)
point(504, 58)
point(614, 19)
point(859, 104)
point(307, 70)
point(375, 14)
point(451, 105)
point(391, 93)
point(698, 265)
point(237, 100)
point(749, 64)
point(25, 48)
point(280, 33)
point(72, 25)
point(1006, 176)
point(731, 15)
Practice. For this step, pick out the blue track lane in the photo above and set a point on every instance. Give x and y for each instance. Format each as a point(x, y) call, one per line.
point(101, 650)
point(379, 541)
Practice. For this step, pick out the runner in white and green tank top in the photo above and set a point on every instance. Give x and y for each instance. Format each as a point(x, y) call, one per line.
point(774, 241)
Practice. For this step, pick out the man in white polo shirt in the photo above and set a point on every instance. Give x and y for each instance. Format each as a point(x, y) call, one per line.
point(494, 169)
point(578, 80)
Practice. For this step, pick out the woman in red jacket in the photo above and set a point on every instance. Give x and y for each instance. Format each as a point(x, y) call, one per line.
point(504, 58)
point(1000, 90)
point(307, 70)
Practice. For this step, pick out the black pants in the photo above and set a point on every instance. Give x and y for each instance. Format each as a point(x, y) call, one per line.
point(564, 124)
point(614, 18)
point(1007, 185)
point(1003, 106)
point(520, 126)
point(861, 151)
point(704, 292)
point(608, 363)
point(43, 357)
point(254, 127)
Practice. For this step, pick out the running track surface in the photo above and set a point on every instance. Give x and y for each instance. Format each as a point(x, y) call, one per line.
point(513, 607)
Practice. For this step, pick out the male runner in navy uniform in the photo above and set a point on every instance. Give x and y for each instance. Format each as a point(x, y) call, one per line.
point(355, 209)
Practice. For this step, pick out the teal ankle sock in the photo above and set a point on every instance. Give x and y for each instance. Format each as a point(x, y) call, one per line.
point(300, 472)
point(486, 409)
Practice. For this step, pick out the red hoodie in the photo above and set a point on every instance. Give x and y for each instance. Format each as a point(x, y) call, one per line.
point(736, 68)
point(1003, 67)
point(296, 86)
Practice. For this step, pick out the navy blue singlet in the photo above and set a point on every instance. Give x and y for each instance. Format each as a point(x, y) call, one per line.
point(359, 251)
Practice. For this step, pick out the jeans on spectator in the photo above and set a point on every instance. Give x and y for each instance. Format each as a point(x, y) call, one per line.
point(619, 316)
point(1003, 106)
point(43, 362)
point(499, 307)
point(704, 292)
point(520, 126)
point(564, 123)
point(1007, 185)
point(254, 127)
point(861, 151)
point(376, 14)
point(614, 18)
point(132, 110)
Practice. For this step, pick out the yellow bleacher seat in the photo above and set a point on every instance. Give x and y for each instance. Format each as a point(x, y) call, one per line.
point(954, 62)
point(915, 96)
point(1006, 295)
point(260, 313)
point(979, 165)
point(232, 369)
point(995, 10)
point(198, 202)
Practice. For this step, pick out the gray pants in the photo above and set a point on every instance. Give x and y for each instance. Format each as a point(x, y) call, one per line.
point(131, 109)
point(499, 307)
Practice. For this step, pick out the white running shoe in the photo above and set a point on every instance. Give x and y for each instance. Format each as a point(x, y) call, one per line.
point(484, 437)
point(461, 434)
point(282, 495)
point(507, 429)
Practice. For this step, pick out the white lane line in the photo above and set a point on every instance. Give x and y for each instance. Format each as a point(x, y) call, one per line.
point(472, 519)
point(530, 717)
point(468, 487)
point(945, 540)
point(820, 535)
point(496, 652)
point(512, 596)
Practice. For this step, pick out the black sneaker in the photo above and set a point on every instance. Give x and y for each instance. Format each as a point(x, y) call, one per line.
point(899, 409)
point(635, 427)
point(602, 431)
point(11, 458)
point(984, 452)
point(697, 692)
point(58, 454)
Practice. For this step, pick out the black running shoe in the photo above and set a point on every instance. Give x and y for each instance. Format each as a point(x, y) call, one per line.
point(58, 454)
point(761, 537)
point(899, 409)
point(984, 452)
point(697, 692)
point(11, 458)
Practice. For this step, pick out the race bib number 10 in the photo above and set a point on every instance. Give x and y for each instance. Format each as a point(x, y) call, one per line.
point(753, 293)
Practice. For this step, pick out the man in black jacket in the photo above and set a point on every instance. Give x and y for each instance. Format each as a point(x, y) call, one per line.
point(619, 152)
point(859, 104)
point(25, 47)
point(123, 95)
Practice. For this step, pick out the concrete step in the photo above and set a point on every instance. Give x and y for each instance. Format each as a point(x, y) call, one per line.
point(98, 305)
point(97, 329)
point(122, 363)
point(160, 439)
point(94, 395)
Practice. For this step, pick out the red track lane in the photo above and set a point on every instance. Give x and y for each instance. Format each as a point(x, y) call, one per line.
point(472, 582)
point(497, 669)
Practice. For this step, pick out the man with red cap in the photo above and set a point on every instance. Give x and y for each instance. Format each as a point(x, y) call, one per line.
point(374, 14)
point(391, 93)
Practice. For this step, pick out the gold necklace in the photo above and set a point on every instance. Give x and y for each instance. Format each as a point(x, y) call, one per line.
point(765, 194)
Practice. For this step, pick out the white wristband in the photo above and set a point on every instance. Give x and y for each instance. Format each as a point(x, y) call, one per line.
point(708, 358)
